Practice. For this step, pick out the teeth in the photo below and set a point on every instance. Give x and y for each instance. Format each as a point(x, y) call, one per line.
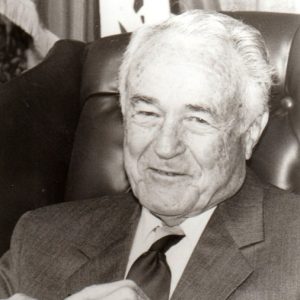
point(166, 173)
point(170, 174)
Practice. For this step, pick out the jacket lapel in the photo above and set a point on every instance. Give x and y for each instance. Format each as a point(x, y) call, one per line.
point(106, 251)
point(220, 264)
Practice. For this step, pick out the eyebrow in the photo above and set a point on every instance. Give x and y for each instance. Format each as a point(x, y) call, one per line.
point(199, 108)
point(137, 98)
point(144, 99)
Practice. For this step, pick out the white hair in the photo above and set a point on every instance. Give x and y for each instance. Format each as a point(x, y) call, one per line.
point(249, 70)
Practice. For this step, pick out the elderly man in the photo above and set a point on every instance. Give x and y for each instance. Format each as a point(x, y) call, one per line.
point(198, 224)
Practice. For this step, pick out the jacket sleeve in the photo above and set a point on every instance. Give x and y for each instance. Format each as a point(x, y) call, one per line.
point(10, 266)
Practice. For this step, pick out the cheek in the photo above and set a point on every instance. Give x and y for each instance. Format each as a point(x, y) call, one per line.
point(137, 138)
point(231, 153)
point(217, 151)
point(136, 142)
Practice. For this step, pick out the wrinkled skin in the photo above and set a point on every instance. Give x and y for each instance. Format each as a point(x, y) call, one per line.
point(184, 150)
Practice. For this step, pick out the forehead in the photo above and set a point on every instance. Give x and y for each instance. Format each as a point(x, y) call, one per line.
point(214, 51)
point(183, 72)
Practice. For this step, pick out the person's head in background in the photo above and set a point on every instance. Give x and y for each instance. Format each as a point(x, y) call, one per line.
point(14, 46)
point(24, 39)
point(194, 96)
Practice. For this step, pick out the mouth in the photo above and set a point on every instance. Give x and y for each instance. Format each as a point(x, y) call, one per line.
point(167, 173)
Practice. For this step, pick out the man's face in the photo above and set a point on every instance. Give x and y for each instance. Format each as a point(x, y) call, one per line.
point(183, 150)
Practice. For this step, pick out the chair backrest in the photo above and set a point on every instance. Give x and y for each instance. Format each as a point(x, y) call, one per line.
point(96, 166)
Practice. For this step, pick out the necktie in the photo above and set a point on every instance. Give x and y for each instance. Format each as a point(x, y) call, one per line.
point(151, 271)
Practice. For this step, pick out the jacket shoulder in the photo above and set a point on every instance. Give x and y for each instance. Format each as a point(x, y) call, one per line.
point(67, 212)
point(66, 223)
point(282, 208)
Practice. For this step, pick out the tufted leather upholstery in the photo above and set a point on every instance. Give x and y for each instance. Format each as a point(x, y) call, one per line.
point(96, 165)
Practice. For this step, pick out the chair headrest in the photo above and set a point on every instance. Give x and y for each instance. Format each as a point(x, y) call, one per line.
point(100, 70)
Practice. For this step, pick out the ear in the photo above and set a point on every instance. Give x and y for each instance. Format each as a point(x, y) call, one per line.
point(253, 133)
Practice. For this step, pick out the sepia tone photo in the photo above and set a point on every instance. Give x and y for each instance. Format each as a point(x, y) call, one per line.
point(150, 149)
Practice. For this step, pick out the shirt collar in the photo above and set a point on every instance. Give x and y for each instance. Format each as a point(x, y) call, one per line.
point(148, 222)
point(192, 226)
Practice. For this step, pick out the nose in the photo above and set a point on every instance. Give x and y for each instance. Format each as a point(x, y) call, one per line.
point(168, 142)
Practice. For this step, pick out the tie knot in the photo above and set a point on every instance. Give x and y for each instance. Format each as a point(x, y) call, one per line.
point(166, 242)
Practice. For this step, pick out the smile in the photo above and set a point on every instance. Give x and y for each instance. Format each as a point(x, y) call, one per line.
point(166, 173)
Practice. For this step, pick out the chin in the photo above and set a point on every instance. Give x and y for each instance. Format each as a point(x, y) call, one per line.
point(164, 203)
point(166, 209)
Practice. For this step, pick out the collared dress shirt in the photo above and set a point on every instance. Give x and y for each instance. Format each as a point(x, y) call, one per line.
point(178, 255)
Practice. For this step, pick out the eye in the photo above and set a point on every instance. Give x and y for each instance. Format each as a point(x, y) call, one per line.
point(146, 117)
point(147, 113)
point(198, 124)
point(196, 120)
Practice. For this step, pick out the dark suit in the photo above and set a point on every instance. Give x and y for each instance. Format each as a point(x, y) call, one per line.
point(249, 250)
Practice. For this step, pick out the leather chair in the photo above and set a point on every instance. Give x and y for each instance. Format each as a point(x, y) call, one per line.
point(97, 165)
point(61, 126)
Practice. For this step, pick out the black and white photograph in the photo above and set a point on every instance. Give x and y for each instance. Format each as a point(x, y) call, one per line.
point(149, 150)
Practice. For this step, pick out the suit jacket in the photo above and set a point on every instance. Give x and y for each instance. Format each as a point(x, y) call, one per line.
point(250, 248)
